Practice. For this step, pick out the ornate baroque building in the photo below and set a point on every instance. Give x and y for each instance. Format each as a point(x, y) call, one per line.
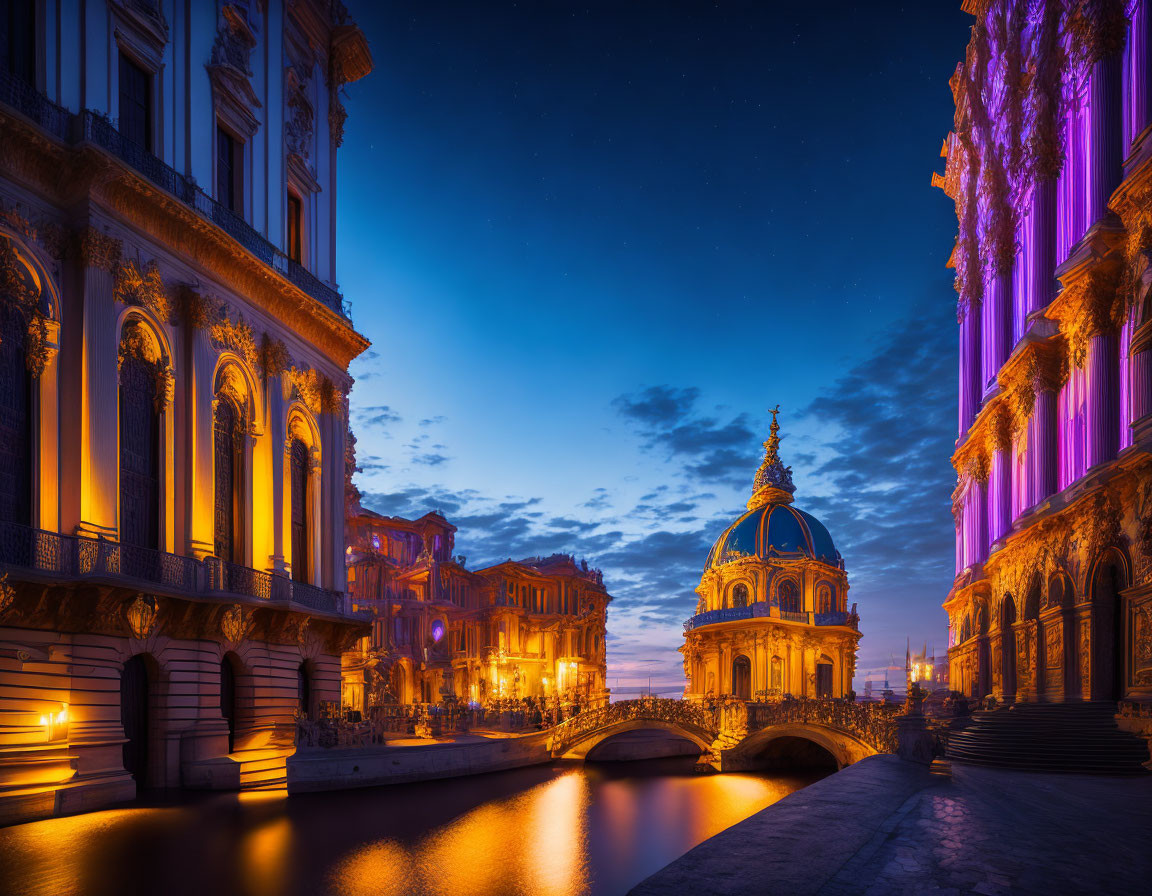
point(173, 382)
point(528, 628)
point(1050, 169)
point(772, 619)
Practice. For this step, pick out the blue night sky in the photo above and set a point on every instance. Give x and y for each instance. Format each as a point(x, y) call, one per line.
point(593, 243)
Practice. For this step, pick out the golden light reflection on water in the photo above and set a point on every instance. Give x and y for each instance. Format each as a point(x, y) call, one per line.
point(581, 830)
point(538, 841)
point(531, 843)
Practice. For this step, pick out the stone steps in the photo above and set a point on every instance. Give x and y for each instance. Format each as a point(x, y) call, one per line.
point(263, 769)
point(1071, 737)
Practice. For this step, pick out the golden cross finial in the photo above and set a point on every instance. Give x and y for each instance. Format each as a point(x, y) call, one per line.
point(774, 411)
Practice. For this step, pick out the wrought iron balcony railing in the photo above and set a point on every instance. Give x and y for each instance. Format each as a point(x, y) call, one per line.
point(763, 610)
point(77, 557)
point(93, 128)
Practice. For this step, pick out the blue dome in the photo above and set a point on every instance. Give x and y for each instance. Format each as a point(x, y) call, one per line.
point(771, 531)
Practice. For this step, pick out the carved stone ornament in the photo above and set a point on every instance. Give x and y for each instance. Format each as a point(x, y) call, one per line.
point(230, 70)
point(141, 616)
point(99, 250)
point(299, 122)
point(7, 593)
point(1142, 646)
point(17, 288)
point(143, 288)
point(234, 624)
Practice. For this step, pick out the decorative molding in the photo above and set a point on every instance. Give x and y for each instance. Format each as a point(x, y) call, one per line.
point(230, 71)
point(144, 288)
point(235, 624)
point(141, 616)
point(99, 250)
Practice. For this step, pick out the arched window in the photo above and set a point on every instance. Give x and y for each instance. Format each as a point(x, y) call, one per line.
point(228, 440)
point(15, 419)
point(139, 442)
point(742, 678)
point(789, 596)
point(740, 595)
point(824, 599)
point(301, 559)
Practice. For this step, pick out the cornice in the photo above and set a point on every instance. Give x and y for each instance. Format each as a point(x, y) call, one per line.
point(70, 176)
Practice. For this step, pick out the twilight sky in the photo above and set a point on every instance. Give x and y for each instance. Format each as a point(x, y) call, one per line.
point(592, 243)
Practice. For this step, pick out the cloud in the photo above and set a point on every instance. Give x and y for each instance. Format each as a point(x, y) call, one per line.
point(707, 448)
point(376, 416)
point(433, 421)
point(431, 459)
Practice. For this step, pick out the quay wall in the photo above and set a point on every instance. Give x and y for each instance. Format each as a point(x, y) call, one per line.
point(317, 769)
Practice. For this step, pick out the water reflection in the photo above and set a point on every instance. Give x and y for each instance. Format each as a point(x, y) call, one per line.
point(565, 830)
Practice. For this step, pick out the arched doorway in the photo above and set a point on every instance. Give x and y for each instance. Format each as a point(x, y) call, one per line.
point(1109, 579)
point(134, 717)
point(228, 696)
point(742, 678)
point(824, 677)
point(304, 689)
point(1008, 647)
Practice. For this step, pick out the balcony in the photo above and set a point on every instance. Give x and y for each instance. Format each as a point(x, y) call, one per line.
point(76, 558)
point(763, 610)
point(89, 127)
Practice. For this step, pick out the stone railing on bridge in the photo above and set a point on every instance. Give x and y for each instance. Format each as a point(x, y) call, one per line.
point(691, 716)
point(872, 723)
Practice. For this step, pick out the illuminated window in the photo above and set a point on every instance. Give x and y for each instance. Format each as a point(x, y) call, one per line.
point(789, 597)
point(295, 228)
point(824, 600)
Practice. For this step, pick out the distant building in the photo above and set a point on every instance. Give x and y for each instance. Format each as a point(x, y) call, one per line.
point(1049, 166)
point(529, 628)
point(772, 618)
point(173, 380)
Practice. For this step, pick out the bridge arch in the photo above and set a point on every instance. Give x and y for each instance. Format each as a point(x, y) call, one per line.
point(844, 747)
point(581, 748)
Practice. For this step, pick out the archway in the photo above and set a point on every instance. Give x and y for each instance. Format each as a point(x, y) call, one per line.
point(135, 695)
point(794, 753)
point(1008, 647)
point(228, 676)
point(1110, 577)
point(824, 677)
point(742, 677)
point(304, 689)
point(643, 743)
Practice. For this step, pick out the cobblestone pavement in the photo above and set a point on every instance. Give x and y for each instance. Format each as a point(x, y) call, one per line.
point(992, 831)
point(884, 826)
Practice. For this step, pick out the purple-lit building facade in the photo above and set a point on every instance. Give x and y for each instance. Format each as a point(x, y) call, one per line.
point(1050, 168)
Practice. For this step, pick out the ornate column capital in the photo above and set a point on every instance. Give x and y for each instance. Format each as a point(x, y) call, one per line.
point(99, 250)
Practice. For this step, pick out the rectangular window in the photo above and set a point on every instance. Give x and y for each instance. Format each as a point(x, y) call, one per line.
point(295, 222)
point(18, 41)
point(135, 103)
point(229, 170)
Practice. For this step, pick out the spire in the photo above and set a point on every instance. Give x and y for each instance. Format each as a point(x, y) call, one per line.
point(773, 482)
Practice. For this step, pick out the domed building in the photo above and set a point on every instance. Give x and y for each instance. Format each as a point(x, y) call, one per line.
point(772, 619)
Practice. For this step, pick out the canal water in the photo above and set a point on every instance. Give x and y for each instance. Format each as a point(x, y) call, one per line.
point(559, 830)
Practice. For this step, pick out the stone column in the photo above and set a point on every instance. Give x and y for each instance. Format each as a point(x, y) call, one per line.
point(277, 433)
point(979, 529)
point(971, 387)
point(1000, 481)
point(1042, 447)
point(1104, 130)
point(99, 388)
point(997, 327)
point(1140, 385)
point(201, 448)
point(1041, 246)
point(1102, 412)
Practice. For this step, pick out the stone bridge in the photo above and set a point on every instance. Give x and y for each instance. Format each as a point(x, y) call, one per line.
point(734, 733)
